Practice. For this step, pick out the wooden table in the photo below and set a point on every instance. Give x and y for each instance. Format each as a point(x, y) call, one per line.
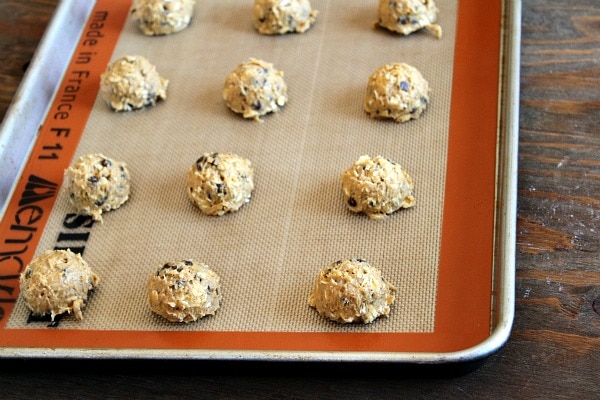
point(554, 349)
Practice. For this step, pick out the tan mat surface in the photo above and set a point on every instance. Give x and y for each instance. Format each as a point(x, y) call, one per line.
point(268, 253)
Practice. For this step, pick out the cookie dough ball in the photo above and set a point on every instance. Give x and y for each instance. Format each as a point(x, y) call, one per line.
point(408, 16)
point(377, 187)
point(97, 184)
point(131, 83)
point(162, 17)
point(352, 291)
point(57, 282)
point(397, 91)
point(276, 17)
point(220, 183)
point(184, 291)
point(255, 89)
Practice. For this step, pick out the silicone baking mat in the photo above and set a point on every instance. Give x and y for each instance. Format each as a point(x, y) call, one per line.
point(268, 254)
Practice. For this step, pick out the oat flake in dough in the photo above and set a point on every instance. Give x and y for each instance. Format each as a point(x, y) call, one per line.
point(397, 91)
point(163, 17)
point(131, 83)
point(97, 184)
point(255, 88)
point(57, 282)
point(377, 187)
point(408, 16)
point(219, 183)
point(276, 17)
point(184, 291)
point(352, 291)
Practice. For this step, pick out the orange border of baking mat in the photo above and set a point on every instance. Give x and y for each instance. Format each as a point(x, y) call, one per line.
point(463, 306)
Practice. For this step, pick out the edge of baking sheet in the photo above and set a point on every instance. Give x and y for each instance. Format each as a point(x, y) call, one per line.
point(26, 113)
point(503, 302)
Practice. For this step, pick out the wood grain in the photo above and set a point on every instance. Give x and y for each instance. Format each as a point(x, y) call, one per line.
point(22, 24)
point(554, 350)
point(558, 268)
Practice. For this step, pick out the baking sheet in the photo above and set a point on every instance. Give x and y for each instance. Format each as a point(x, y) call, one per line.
point(269, 253)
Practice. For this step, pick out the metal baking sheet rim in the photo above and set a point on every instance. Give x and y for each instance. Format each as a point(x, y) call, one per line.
point(26, 113)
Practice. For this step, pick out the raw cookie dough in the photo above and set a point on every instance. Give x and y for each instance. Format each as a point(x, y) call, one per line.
point(352, 291)
point(276, 17)
point(56, 282)
point(131, 83)
point(254, 89)
point(184, 291)
point(162, 17)
point(96, 184)
point(377, 187)
point(408, 16)
point(219, 183)
point(396, 91)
